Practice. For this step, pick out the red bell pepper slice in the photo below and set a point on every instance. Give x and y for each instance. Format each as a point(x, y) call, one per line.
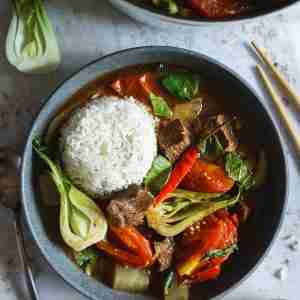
point(216, 232)
point(205, 275)
point(182, 167)
point(122, 256)
point(208, 178)
point(139, 253)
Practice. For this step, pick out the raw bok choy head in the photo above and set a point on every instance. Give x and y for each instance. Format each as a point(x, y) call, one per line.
point(31, 44)
point(82, 223)
point(183, 208)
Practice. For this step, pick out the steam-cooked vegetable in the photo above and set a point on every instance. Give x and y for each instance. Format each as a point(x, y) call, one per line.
point(31, 44)
point(130, 279)
point(86, 260)
point(173, 290)
point(160, 107)
point(188, 111)
point(194, 197)
point(174, 215)
point(158, 174)
point(82, 223)
point(170, 5)
point(183, 85)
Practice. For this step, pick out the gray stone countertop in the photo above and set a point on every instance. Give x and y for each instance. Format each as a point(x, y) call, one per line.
point(89, 29)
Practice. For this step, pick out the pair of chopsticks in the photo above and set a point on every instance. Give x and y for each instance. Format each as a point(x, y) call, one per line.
point(277, 99)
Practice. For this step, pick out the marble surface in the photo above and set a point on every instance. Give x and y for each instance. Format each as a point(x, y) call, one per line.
point(89, 29)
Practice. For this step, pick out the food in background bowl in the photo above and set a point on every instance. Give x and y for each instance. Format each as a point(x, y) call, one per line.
point(210, 9)
point(168, 218)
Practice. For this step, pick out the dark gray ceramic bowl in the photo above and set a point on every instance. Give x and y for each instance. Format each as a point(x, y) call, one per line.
point(154, 17)
point(261, 231)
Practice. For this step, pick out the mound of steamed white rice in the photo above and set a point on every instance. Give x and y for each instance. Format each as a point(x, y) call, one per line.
point(108, 145)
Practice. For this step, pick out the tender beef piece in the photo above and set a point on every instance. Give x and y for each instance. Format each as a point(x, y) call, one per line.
point(173, 139)
point(164, 251)
point(129, 208)
point(225, 134)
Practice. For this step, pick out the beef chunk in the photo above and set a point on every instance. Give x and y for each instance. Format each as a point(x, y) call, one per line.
point(173, 139)
point(164, 251)
point(129, 208)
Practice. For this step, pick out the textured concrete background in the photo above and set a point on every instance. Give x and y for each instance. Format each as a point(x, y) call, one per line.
point(89, 29)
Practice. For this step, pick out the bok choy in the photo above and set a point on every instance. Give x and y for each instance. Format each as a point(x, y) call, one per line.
point(183, 208)
point(31, 44)
point(82, 223)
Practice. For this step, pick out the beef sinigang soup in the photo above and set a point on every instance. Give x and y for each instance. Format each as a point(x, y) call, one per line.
point(155, 179)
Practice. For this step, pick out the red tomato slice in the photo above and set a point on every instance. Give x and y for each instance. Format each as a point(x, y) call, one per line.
point(207, 178)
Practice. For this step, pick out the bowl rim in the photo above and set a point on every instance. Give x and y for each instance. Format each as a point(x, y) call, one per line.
point(180, 51)
point(152, 13)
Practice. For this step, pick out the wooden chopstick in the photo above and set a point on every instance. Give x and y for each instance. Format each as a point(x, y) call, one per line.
point(280, 107)
point(262, 54)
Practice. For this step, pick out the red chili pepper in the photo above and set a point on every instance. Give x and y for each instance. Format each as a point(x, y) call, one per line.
point(182, 167)
point(139, 252)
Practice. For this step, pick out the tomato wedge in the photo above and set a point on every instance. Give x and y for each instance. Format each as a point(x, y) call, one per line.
point(219, 8)
point(205, 246)
point(208, 178)
point(138, 86)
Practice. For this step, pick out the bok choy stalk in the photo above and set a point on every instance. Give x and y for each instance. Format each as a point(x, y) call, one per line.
point(183, 208)
point(82, 223)
point(31, 44)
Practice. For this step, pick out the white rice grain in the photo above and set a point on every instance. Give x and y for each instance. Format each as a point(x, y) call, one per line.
point(108, 145)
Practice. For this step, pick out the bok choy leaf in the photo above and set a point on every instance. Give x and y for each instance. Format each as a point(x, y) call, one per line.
point(82, 223)
point(183, 208)
point(31, 44)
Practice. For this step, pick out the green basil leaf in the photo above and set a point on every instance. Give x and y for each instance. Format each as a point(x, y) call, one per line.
point(160, 107)
point(183, 85)
point(211, 147)
point(238, 170)
point(158, 174)
point(222, 252)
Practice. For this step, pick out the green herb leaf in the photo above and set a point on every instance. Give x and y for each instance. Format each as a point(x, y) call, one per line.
point(211, 147)
point(183, 85)
point(83, 258)
point(170, 280)
point(222, 252)
point(86, 259)
point(31, 44)
point(158, 174)
point(239, 170)
point(160, 107)
point(170, 5)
